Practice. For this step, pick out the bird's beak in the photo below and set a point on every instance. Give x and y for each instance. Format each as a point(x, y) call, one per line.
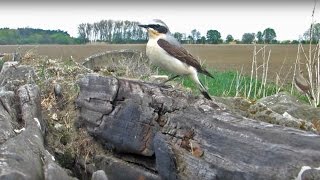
point(144, 26)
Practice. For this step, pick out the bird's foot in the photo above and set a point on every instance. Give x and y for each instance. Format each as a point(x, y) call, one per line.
point(165, 86)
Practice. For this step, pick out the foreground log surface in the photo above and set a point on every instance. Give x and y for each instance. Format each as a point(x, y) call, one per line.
point(163, 133)
point(23, 154)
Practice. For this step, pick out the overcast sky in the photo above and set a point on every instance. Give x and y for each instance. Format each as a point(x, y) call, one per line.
point(290, 19)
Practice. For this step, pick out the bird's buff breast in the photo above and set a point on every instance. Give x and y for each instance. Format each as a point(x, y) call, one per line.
point(161, 58)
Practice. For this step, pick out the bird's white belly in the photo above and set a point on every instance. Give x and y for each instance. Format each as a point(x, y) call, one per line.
point(161, 58)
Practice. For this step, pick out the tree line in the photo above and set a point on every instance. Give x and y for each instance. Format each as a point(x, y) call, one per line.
point(117, 31)
point(267, 36)
point(35, 36)
point(112, 31)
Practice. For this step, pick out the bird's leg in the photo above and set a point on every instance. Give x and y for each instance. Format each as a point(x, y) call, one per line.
point(163, 84)
point(170, 79)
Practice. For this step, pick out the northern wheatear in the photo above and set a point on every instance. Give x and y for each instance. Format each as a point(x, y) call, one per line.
point(166, 52)
point(302, 84)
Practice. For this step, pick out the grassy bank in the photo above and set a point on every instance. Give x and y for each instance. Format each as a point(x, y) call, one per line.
point(234, 84)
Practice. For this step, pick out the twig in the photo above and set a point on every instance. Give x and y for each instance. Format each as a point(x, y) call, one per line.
point(252, 66)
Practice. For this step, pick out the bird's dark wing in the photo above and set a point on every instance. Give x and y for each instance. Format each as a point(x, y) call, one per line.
point(180, 53)
point(183, 55)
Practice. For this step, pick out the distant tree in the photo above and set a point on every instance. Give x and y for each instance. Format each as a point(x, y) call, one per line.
point(82, 33)
point(126, 31)
point(8, 36)
point(269, 35)
point(184, 38)
point(213, 37)
point(198, 36)
point(259, 37)
point(285, 42)
point(237, 41)
point(34, 36)
point(61, 39)
point(178, 36)
point(229, 38)
point(248, 38)
point(295, 42)
point(109, 30)
point(88, 30)
point(101, 27)
point(274, 41)
point(36, 39)
point(116, 36)
point(112, 31)
point(96, 31)
point(304, 42)
point(195, 35)
point(315, 33)
point(190, 39)
point(203, 40)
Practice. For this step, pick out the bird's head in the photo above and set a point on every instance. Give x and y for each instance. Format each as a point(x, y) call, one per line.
point(155, 28)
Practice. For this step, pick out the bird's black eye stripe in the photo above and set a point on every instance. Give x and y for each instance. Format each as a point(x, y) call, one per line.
point(157, 27)
point(162, 29)
point(154, 26)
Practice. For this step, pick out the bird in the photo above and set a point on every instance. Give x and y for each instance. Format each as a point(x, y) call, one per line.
point(165, 51)
point(302, 84)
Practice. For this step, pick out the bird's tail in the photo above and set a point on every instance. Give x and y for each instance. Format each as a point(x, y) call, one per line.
point(204, 71)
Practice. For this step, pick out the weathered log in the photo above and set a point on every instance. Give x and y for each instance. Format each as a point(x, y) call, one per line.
point(23, 155)
point(8, 117)
point(118, 169)
point(99, 175)
point(165, 162)
point(22, 129)
point(197, 140)
point(12, 75)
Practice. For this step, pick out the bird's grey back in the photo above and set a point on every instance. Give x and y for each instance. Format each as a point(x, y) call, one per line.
point(172, 40)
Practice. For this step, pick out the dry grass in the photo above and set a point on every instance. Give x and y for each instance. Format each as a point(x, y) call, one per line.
point(273, 63)
point(308, 60)
point(219, 57)
point(78, 52)
point(311, 67)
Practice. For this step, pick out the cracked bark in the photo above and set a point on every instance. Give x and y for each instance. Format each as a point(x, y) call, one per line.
point(22, 154)
point(197, 140)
